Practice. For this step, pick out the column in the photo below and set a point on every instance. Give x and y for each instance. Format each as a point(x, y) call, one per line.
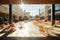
point(53, 14)
point(10, 12)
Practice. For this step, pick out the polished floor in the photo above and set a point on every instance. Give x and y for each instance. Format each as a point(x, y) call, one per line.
point(30, 32)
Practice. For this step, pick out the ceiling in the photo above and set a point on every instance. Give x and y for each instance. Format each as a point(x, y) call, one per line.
point(29, 1)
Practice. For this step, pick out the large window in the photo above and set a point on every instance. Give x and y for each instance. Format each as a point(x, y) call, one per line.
point(4, 13)
point(57, 7)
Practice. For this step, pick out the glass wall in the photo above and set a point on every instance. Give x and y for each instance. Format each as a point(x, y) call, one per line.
point(57, 15)
point(4, 13)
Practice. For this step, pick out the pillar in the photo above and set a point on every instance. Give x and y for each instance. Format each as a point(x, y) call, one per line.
point(10, 12)
point(53, 14)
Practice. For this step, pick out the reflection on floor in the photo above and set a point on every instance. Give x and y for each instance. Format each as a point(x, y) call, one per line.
point(31, 31)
